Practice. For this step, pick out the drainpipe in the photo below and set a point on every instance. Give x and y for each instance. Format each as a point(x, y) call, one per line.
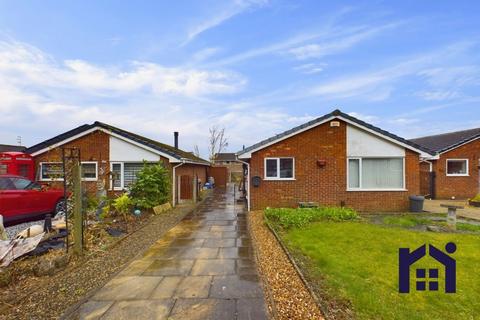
point(174, 184)
point(248, 182)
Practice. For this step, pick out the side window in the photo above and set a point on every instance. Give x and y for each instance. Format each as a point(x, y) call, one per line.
point(21, 184)
point(6, 184)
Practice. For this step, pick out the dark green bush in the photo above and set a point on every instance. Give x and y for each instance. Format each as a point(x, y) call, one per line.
point(300, 217)
point(152, 186)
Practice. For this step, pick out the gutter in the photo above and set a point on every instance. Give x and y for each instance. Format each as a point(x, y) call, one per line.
point(185, 160)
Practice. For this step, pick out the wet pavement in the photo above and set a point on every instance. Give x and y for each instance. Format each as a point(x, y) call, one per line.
point(203, 268)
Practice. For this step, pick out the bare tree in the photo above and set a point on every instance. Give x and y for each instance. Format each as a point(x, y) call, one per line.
point(218, 142)
point(196, 150)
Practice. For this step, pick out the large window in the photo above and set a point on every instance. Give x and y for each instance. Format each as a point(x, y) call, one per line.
point(457, 167)
point(376, 174)
point(124, 174)
point(279, 168)
point(53, 171)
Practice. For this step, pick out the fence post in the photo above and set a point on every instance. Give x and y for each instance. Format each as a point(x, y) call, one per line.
point(77, 210)
point(195, 188)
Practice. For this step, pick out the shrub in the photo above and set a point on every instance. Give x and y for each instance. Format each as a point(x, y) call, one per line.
point(476, 198)
point(300, 217)
point(152, 186)
point(122, 204)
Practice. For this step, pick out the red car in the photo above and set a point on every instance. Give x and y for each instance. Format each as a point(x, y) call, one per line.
point(21, 199)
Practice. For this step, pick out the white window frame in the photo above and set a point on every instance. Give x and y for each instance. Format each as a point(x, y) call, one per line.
point(121, 176)
point(360, 165)
point(278, 169)
point(61, 179)
point(41, 171)
point(96, 170)
point(457, 174)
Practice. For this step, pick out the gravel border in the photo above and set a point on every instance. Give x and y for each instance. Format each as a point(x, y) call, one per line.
point(51, 297)
point(289, 297)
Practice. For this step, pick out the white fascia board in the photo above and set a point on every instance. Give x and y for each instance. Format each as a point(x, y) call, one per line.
point(184, 160)
point(140, 145)
point(426, 157)
point(58, 144)
point(248, 155)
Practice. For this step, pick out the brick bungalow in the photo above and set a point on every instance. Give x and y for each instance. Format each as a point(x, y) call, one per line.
point(111, 157)
point(335, 160)
point(454, 170)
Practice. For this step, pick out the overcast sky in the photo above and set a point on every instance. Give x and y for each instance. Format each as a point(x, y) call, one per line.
point(256, 68)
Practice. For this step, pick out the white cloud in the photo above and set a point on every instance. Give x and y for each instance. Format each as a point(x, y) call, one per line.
point(438, 95)
point(330, 38)
point(310, 68)
point(339, 43)
point(452, 76)
point(233, 9)
point(20, 64)
point(378, 85)
point(365, 117)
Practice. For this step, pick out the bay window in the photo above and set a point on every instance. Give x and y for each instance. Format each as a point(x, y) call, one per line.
point(279, 169)
point(372, 174)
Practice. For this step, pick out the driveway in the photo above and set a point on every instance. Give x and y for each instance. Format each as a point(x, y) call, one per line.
point(468, 212)
point(201, 269)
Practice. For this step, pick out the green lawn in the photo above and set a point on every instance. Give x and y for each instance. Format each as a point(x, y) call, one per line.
point(413, 220)
point(357, 262)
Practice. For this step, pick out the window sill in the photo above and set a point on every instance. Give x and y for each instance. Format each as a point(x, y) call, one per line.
point(457, 175)
point(279, 179)
point(377, 190)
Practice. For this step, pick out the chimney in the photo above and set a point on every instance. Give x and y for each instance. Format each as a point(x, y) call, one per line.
point(175, 139)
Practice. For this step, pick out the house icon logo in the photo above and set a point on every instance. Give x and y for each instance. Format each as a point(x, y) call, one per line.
point(407, 259)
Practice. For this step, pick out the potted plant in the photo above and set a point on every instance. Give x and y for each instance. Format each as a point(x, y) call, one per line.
point(475, 201)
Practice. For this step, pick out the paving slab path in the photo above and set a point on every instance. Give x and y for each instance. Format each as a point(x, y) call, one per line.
point(203, 268)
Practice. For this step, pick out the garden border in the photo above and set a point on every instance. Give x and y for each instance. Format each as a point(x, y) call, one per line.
point(297, 269)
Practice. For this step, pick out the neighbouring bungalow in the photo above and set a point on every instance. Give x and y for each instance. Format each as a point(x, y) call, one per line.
point(334, 160)
point(11, 148)
point(112, 157)
point(454, 170)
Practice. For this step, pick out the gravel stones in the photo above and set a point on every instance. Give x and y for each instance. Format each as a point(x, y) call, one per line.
point(287, 295)
point(49, 265)
point(5, 277)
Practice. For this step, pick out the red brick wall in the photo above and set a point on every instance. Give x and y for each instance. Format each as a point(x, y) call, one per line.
point(93, 147)
point(326, 185)
point(458, 187)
